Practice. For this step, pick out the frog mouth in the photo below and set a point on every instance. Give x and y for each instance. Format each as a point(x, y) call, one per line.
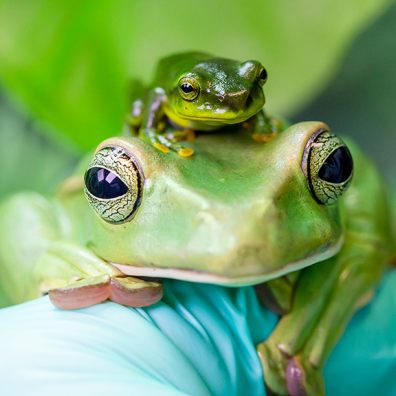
point(226, 117)
point(193, 275)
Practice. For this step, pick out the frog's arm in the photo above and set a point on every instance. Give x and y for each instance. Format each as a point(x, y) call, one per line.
point(35, 259)
point(152, 127)
point(265, 128)
point(328, 293)
point(74, 278)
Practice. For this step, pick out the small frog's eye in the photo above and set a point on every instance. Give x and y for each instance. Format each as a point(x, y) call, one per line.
point(263, 76)
point(328, 166)
point(188, 88)
point(113, 184)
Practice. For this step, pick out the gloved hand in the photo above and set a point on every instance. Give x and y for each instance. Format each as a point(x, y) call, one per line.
point(200, 340)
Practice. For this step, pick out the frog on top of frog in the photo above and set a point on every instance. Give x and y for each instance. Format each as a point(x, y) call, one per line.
point(289, 212)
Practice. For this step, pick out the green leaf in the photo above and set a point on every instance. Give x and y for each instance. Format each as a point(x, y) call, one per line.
point(70, 62)
point(29, 161)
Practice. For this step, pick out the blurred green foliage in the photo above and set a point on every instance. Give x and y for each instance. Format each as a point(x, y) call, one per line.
point(69, 62)
point(28, 159)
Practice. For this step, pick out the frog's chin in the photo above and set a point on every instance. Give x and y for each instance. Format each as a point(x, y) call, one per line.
point(192, 275)
point(208, 122)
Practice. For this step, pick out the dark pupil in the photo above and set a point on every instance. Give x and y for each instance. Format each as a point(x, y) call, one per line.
point(187, 88)
point(104, 184)
point(263, 75)
point(338, 166)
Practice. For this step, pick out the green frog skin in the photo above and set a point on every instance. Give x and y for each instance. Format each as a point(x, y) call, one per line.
point(277, 215)
point(196, 91)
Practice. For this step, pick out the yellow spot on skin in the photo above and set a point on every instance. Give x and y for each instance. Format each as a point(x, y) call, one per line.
point(185, 152)
point(263, 137)
point(161, 147)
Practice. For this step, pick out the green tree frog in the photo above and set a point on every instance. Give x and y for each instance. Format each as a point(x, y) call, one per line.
point(276, 215)
point(196, 91)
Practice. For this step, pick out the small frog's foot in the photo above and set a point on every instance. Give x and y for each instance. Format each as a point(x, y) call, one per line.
point(267, 132)
point(271, 130)
point(180, 135)
point(303, 379)
point(264, 137)
point(162, 143)
point(94, 290)
point(274, 364)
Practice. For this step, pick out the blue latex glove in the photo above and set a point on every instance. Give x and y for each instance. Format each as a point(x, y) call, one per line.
point(200, 340)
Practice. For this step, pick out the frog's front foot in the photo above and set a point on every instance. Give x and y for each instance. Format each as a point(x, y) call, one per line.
point(127, 290)
point(274, 363)
point(264, 128)
point(285, 375)
point(303, 379)
point(163, 143)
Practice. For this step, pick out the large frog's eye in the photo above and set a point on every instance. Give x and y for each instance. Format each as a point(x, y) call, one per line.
point(328, 166)
point(113, 184)
point(188, 88)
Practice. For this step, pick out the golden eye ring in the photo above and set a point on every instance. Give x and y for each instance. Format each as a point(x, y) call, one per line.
point(328, 166)
point(114, 184)
point(188, 88)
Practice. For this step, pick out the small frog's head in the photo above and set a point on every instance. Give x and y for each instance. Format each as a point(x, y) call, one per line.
point(237, 212)
point(206, 93)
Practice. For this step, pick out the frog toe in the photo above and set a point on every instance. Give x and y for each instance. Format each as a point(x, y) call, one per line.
point(134, 292)
point(303, 379)
point(264, 137)
point(163, 144)
point(274, 364)
point(81, 293)
point(85, 292)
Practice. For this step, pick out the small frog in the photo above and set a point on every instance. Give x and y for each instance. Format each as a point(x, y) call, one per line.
point(196, 91)
point(274, 215)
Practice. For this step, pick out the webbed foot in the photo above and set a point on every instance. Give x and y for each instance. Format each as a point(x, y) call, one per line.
point(284, 375)
point(303, 379)
point(74, 277)
point(264, 128)
point(274, 364)
point(267, 130)
point(163, 143)
point(128, 291)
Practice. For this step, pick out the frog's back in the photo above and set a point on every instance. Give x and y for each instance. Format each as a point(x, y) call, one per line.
point(171, 67)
